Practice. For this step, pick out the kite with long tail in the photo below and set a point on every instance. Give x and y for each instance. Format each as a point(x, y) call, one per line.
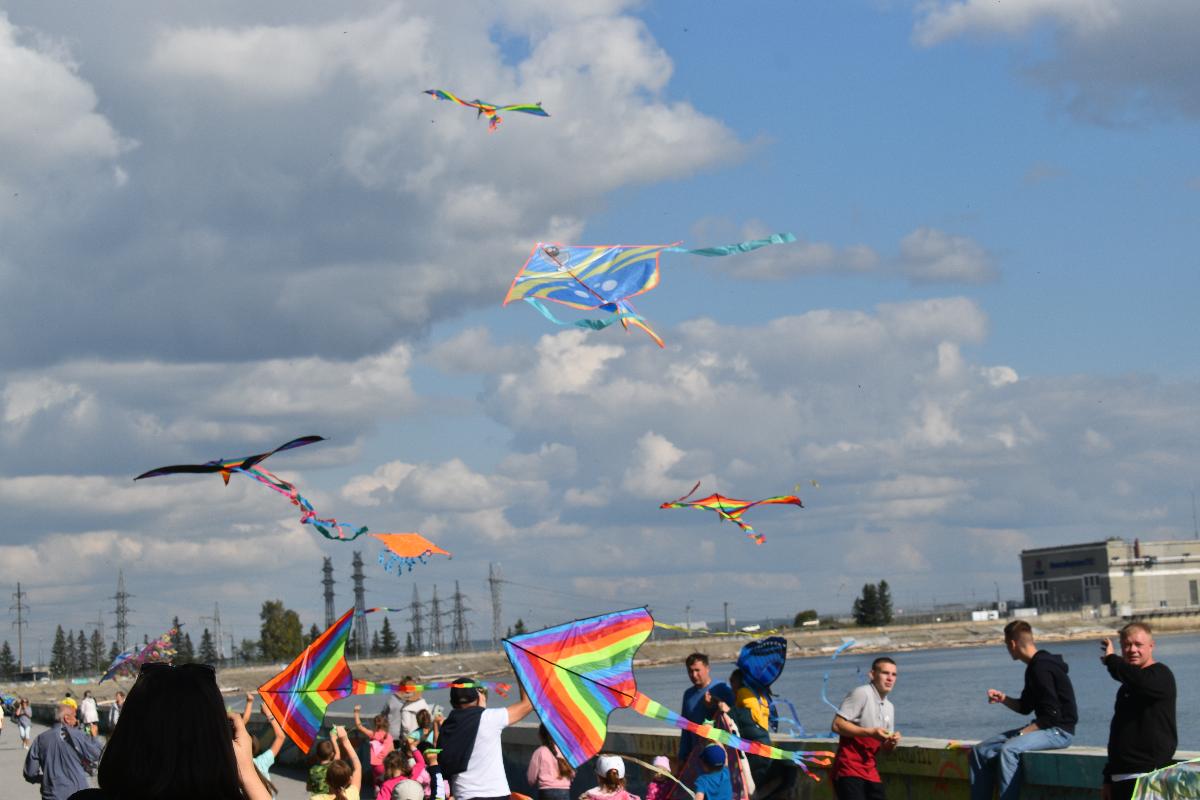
point(605, 277)
point(732, 509)
point(330, 528)
point(300, 695)
point(130, 661)
point(489, 110)
point(578, 673)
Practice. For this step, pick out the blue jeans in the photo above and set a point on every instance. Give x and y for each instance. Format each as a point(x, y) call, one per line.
point(1007, 748)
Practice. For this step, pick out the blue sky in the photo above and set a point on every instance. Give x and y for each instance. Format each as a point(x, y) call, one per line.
point(224, 227)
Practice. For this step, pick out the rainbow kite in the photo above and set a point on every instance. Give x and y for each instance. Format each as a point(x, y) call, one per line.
point(300, 695)
point(405, 550)
point(490, 110)
point(578, 673)
point(604, 277)
point(731, 509)
point(131, 660)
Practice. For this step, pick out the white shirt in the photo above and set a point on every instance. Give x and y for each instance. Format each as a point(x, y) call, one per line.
point(88, 712)
point(408, 714)
point(484, 776)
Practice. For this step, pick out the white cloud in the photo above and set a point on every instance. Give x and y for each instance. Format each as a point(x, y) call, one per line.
point(940, 20)
point(928, 255)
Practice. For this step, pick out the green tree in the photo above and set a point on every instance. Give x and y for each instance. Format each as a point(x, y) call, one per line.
point(804, 616)
point(519, 628)
point(885, 603)
point(83, 653)
point(8, 664)
point(281, 634)
point(70, 657)
point(58, 653)
point(96, 651)
point(389, 645)
point(208, 650)
point(185, 651)
point(409, 648)
point(113, 652)
point(313, 633)
point(248, 650)
point(866, 605)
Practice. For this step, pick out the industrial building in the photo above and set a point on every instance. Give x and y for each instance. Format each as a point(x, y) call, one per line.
point(1118, 576)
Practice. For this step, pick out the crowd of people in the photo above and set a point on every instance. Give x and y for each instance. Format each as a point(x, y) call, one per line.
point(172, 737)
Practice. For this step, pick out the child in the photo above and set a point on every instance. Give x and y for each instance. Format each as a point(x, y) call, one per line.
point(397, 768)
point(610, 773)
point(380, 741)
point(713, 783)
point(324, 754)
point(549, 774)
point(343, 775)
point(439, 787)
point(660, 785)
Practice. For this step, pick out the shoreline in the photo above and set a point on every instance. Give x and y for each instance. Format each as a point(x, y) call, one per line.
point(803, 643)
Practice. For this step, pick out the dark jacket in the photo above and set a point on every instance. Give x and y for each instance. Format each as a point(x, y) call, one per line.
point(1048, 693)
point(1142, 736)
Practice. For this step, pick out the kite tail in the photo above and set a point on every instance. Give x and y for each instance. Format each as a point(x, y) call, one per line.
point(802, 758)
point(825, 678)
point(396, 687)
point(734, 249)
point(633, 319)
point(390, 561)
point(590, 324)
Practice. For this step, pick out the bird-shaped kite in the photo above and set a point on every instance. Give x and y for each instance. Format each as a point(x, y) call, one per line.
point(330, 528)
point(490, 110)
point(732, 509)
point(130, 661)
point(605, 277)
point(300, 695)
point(578, 673)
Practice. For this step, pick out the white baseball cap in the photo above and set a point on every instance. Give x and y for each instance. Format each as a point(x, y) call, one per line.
point(408, 790)
point(605, 764)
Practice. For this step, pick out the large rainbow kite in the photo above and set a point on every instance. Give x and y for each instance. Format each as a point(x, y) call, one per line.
point(490, 110)
point(300, 695)
point(605, 277)
point(732, 509)
point(578, 673)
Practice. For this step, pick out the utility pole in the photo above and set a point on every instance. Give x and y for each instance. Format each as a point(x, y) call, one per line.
point(418, 629)
point(494, 583)
point(462, 638)
point(688, 609)
point(122, 612)
point(327, 582)
point(726, 604)
point(436, 641)
point(215, 619)
point(360, 604)
point(21, 624)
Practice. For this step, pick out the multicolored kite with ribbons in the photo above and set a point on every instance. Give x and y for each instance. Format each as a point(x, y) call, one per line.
point(490, 110)
point(300, 695)
point(732, 509)
point(605, 277)
point(578, 673)
point(131, 660)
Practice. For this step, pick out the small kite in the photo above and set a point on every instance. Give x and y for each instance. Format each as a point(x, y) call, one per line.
point(605, 277)
point(578, 673)
point(731, 509)
point(490, 110)
point(131, 660)
point(300, 695)
point(1176, 782)
point(329, 528)
point(405, 550)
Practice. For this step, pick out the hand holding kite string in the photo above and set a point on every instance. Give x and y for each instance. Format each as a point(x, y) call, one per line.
point(578, 673)
point(300, 695)
point(731, 509)
point(490, 110)
point(604, 278)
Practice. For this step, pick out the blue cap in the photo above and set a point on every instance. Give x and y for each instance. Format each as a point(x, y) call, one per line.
point(722, 692)
point(713, 755)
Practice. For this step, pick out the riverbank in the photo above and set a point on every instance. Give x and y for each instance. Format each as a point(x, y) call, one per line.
point(804, 643)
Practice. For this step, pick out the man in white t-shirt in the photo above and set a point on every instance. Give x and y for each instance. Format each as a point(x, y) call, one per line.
point(470, 740)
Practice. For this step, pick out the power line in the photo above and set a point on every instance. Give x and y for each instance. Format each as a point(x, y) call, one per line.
point(327, 582)
point(462, 637)
point(20, 625)
point(436, 642)
point(122, 612)
point(360, 605)
point(495, 583)
point(418, 631)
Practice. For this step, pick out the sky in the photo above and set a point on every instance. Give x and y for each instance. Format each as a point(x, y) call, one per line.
point(225, 226)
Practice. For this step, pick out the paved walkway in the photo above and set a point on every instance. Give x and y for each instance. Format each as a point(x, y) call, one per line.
point(12, 759)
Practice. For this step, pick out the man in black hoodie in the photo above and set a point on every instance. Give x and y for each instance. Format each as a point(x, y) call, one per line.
point(1142, 737)
point(1048, 694)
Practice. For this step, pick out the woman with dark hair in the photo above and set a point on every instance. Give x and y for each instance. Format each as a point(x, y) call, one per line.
point(548, 772)
point(175, 741)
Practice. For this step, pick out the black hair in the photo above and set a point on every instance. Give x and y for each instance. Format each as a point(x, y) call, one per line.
point(173, 739)
point(881, 660)
point(694, 657)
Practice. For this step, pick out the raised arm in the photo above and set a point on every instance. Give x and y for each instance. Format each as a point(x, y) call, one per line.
point(349, 754)
point(249, 709)
point(276, 730)
point(519, 710)
point(358, 723)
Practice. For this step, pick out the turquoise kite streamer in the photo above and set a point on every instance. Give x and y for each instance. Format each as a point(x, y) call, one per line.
point(825, 679)
point(590, 324)
point(733, 249)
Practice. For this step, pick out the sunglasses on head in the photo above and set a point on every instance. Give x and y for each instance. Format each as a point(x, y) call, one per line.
point(159, 666)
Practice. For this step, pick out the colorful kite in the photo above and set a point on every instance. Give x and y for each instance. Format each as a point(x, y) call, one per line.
point(578, 673)
point(1177, 782)
point(131, 660)
point(605, 277)
point(731, 509)
point(405, 550)
point(329, 528)
point(300, 695)
point(490, 110)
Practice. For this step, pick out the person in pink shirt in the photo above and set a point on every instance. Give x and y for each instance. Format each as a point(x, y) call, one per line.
point(380, 742)
point(660, 785)
point(399, 766)
point(549, 773)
